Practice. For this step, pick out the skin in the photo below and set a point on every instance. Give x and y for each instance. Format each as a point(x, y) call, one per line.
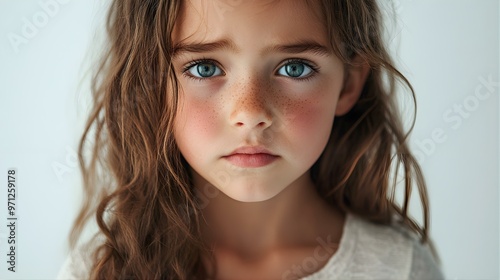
point(260, 221)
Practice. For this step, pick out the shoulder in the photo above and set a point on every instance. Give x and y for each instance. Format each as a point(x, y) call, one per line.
point(79, 261)
point(372, 251)
point(394, 252)
point(423, 264)
point(76, 266)
point(379, 249)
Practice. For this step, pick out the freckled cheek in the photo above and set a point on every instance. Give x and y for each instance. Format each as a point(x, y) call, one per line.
point(310, 124)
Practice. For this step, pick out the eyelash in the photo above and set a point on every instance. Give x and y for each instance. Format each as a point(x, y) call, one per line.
point(314, 69)
point(194, 63)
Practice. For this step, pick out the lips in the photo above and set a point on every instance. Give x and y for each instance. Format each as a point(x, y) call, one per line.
point(251, 157)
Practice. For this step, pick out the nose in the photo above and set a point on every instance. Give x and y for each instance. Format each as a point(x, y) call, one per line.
point(251, 108)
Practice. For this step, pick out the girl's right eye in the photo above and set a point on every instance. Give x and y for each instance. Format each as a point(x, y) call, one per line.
point(202, 69)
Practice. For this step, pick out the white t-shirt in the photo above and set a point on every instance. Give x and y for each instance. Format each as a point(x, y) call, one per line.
point(371, 251)
point(366, 251)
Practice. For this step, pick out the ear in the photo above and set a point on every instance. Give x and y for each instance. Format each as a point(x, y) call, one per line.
point(354, 82)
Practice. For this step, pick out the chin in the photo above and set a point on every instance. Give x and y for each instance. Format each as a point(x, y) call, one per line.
point(250, 192)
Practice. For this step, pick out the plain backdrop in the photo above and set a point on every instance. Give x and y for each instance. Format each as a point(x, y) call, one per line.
point(449, 50)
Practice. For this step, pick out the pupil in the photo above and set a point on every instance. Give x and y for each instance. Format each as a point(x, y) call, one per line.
point(295, 69)
point(206, 70)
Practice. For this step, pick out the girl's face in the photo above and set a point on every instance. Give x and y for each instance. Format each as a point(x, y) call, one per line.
point(254, 73)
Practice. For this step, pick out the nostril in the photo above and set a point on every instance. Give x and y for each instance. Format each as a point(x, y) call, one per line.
point(260, 124)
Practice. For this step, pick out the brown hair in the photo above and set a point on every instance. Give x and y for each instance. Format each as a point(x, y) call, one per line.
point(137, 184)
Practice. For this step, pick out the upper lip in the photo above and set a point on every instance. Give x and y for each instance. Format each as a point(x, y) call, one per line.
point(251, 150)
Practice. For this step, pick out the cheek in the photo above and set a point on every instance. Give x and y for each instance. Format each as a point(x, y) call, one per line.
point(195, 124)
point(311, 119)
point(309, 111)
point(309, 125)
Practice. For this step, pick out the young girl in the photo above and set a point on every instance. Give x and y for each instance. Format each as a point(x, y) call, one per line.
point(248, 140)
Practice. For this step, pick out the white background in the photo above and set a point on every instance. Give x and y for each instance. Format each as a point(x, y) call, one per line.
point(443, 47)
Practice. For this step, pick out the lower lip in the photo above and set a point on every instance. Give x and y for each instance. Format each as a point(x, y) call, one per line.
point(251, 160)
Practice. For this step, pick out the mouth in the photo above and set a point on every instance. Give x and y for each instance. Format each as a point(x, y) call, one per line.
point(251, 157)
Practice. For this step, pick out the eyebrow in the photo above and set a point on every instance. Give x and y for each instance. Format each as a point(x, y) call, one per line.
point(293, 48)
point(299, 47)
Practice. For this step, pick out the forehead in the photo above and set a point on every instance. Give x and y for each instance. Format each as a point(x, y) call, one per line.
point(250, 23)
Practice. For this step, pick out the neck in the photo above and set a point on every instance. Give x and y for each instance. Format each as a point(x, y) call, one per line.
point(295, 217)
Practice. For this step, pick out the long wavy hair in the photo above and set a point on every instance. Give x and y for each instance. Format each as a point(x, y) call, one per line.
point(137, 185)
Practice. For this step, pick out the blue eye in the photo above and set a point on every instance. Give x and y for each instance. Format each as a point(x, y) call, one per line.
point(295, 69)
point(203, 69)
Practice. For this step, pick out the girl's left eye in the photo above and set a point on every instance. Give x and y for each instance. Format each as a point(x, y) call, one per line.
point(296, 69)
point(203, 69)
